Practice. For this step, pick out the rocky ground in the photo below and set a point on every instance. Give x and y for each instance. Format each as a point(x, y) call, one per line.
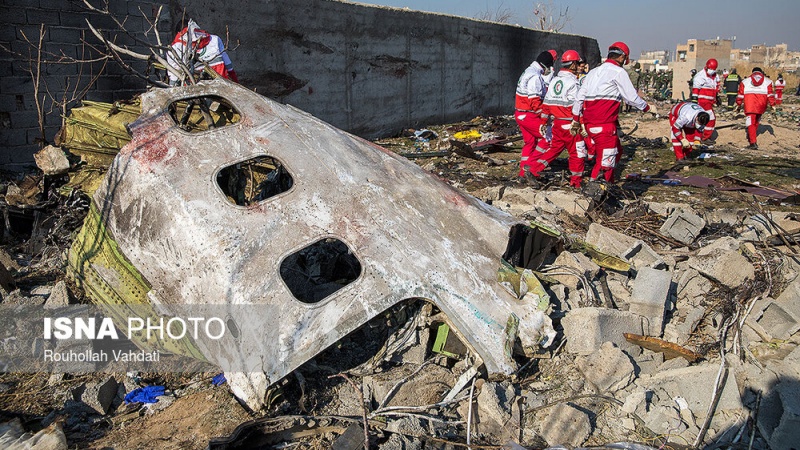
point(710, 302)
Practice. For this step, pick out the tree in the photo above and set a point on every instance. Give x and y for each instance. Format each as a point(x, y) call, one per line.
point(549, 17)
point(501, 14)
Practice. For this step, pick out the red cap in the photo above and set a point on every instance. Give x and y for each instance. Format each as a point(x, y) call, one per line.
point(570, 56)
point(621, 46)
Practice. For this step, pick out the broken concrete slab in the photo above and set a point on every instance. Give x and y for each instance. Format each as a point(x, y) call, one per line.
point(14, 437)
point(608, 240)
point(586, 329)
point(683, 226)
point(692, 287)
point(609, 369)
point(642, 255)
point(695, 384)
point(566, 425)
point(726, 243)
point(52, 161)
point(98, 395)
point(779, 417)
point(570, 202)
point(649, 298)
point(728, 268)
point(580, 263)
point(495, 401)
point(781, 317)
point(760, 227)
point(58, 297)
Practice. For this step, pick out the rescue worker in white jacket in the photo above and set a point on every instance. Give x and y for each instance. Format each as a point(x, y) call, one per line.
point(530, 92)
point(557, 110)
point(598, 102)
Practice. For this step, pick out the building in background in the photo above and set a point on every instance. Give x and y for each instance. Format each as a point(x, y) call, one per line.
point(777, 56)
point(693, 55)
point(654, 59)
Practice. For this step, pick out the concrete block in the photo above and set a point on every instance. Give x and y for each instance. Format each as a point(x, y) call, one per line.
point(726, 243)
point(692, 287)
point(779, 417)
point(570, 202)
point(52, 161)
point(618, 285)
point(609, 241)
point(781, 317)
point(695, 384)
point(566, 425)
point(729, 268)
point(580, 263)
point(642, 255)
point(649, 297)
point(683, 226)
point(98, 395)
point(758, 227)
point(59, 296)
point(586, 329)
point(495, 400)
point(608, 369)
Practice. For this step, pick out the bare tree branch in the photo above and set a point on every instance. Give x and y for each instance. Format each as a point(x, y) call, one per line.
point(547, 17)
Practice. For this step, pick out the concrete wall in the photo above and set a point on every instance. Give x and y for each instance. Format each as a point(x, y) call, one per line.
point(373, 70)
point(65, 27)
point(369, 70)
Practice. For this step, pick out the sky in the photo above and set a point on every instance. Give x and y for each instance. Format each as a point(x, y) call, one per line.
point(646, 24)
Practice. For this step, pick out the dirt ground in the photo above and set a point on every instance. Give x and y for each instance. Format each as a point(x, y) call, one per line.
point(196, 416)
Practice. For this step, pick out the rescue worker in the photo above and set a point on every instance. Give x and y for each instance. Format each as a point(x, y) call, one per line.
point(598, 103)
point(687, 121)
point(205, 49)
point(732, 88)
point(755, 93)
point(531, 89)
point(692, 73)
point(704, 92)
point(635, 74)
point(557, 107)
point(550, 72)
point(780, 85)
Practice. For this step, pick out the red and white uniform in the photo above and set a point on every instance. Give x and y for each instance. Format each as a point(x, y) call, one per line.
point(682, 120)
point(207, 48)
point(531, 89)
point(557, 105)
point(599, 97)
point(780, 85)
point(755, 93)
point(705, 88)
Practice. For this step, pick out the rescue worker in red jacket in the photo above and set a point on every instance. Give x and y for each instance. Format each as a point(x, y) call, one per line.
point(557, 106)
point(705, 89)
point(531, 89)
point(687, 121)
point(598, 102)
point(780, 85)
point(205, 48)
point(755, 93)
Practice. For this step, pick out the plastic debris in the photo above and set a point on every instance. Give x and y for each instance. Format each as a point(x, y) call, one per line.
point(145, 394)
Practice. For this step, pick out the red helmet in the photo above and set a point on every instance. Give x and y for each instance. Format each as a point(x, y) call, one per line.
point(554, 53)
point(619, 45)
point(712, 64)
point(570, 56)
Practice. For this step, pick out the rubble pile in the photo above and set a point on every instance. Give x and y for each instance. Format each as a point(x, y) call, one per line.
point(677, 326)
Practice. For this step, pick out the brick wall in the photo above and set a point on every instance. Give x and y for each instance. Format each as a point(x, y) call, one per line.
point(65, 27)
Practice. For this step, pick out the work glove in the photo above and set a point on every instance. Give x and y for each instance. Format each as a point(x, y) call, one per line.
point(575, 128)
point(584, 133)
point(685, 143)
point(652, 109)
point(543, 129)
point(696, 144)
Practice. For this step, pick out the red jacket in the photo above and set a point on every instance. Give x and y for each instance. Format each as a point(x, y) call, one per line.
point(756, 92)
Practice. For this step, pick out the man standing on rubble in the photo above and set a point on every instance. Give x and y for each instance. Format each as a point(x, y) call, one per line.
point(687, 121)
point(732, 88)
point(780, 85)
point(755, 93)
point(705, 89)
point(531, 89)
point(557, 106)
point(598, 102)
point(206, 49)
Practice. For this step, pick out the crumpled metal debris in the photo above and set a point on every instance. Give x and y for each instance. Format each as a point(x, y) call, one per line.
point(181, 241)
